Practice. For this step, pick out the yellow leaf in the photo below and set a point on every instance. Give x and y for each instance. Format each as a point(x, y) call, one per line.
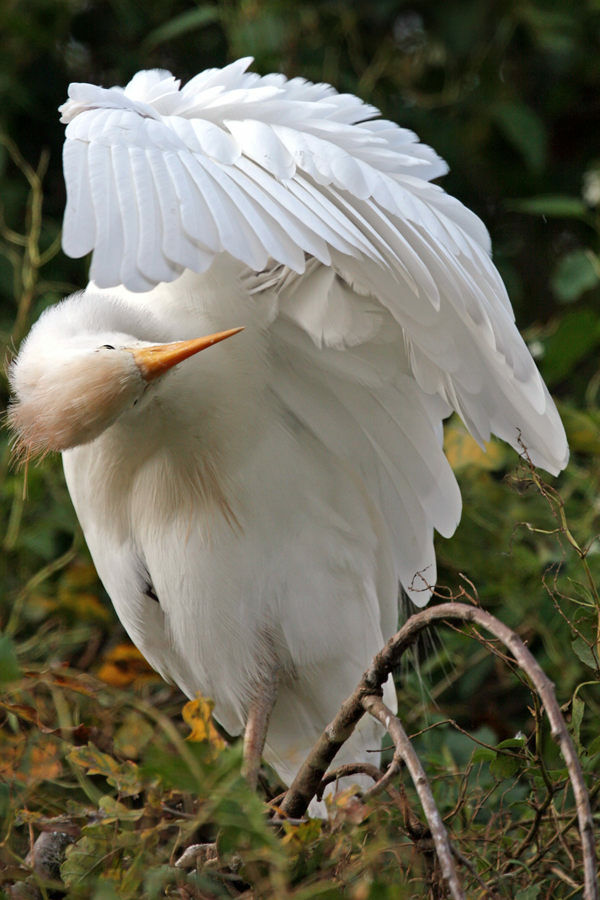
point(45, 761)
point(79, 575)
point(197, 714)
point(463, 450)
point(347, 804)
point(123, 665)
point(78, 593)
point(84, 605)
point(302, 834)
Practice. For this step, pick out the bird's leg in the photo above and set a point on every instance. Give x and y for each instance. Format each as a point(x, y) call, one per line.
point(257, 722)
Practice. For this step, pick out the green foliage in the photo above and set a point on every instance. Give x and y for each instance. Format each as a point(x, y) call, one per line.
point(507, 93)
point(9, 667)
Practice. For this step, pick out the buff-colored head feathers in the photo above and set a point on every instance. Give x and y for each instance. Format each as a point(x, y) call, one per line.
point(63, 399)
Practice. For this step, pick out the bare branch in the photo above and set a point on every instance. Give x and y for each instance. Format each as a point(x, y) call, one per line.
point(405, 750)
point(384, 782)
point(348, 770)
point(339, 730)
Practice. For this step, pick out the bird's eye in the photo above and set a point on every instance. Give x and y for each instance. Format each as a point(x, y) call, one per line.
point(106, 347)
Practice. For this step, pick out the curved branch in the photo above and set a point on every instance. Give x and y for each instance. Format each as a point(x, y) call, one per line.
point(339, 730)
point(347, 770)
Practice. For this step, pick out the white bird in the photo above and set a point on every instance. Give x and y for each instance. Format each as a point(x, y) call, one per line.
point(253, 510)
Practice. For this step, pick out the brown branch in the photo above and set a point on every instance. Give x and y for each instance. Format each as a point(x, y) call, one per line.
point(404, 750)
point(339, 730)
point(348, 770)
point(385, 780)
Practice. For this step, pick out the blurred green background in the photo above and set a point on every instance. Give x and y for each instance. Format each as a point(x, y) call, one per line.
point(508, 92)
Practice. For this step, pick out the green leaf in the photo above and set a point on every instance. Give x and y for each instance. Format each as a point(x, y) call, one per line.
point(523, 128)
point(577, 335)
point(170, 769)
point(182, 24)
point(515, 743)
point(4, 799)
point(81, 858)
point(504, 766)
point(157, 878)
point(9, 666)
point(584, 652)
point(576, 273)
point(530, 893)
point(106, 891)
point(482, 754)
point(557, 206)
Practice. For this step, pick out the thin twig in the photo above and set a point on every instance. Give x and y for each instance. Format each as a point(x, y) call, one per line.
point(346, 771)
point(474, 873)
point(377, 708)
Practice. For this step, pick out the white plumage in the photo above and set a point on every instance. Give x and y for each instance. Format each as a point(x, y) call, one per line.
point(272, 492)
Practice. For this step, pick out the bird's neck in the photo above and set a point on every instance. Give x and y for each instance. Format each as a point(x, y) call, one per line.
point(184, 445)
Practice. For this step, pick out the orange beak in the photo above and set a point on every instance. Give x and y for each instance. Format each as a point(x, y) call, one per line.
point(155, 361)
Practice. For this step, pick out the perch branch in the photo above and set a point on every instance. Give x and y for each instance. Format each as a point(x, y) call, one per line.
point(341, 727)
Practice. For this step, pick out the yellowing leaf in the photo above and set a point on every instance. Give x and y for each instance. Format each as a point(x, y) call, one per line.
point(79, 575)
point(82, 857)
point(133, 735)
point(94, 761)
point(197, 714)
point(123, 665)
point(27, 713)
point(463, 450)
point(124, 776)
point(84, 605)
point(583, 430)
point(348, 805)
point(45, 761)
point(29, 764)
point(115, 811)
point(303, 833)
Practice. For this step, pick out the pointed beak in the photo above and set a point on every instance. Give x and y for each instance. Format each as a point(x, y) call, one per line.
point(155, 361)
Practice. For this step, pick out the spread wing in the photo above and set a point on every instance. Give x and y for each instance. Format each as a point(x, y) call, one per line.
point(277, 173)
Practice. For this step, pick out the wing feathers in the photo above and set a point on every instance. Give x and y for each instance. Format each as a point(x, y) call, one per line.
point(387, 431)
point(79, 231)
point(411, 321)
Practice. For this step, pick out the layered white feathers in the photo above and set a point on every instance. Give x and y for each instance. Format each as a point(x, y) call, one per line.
point(398, 317)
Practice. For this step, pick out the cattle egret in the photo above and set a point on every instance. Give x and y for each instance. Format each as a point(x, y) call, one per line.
point(252, 509)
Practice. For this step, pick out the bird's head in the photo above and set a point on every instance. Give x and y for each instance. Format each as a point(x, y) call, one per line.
point(70, 384)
